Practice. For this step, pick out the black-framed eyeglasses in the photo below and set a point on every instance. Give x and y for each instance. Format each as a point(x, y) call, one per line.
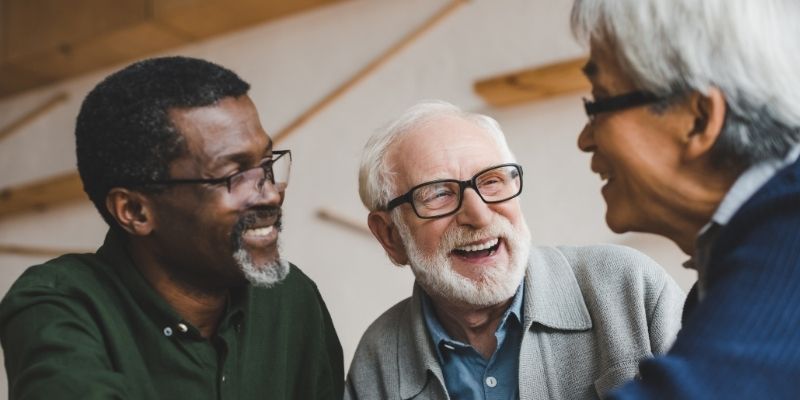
point(619, 102)
point(443, 197)
point(275, 169)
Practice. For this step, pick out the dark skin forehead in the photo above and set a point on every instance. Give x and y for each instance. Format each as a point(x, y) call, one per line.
point(219, 138)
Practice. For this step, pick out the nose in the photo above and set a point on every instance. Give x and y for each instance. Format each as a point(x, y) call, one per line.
point(586, 138)
point(267, 193)
point(474, 212)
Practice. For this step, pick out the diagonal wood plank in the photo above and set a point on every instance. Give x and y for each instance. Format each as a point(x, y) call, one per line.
point(37, 251)
point(368, 69)
point(41, 194)
point(533, 84)
point(31, 115)
point(342, 221)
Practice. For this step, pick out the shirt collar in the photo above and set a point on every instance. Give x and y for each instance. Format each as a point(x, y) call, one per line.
point(114, 251)
point(745, 186)
point(553, 297)
point(440, 336)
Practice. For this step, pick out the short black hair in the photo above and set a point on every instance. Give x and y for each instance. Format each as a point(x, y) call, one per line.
point(124, 133)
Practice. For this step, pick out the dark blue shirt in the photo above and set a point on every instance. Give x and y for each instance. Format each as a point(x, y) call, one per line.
point(466, 373)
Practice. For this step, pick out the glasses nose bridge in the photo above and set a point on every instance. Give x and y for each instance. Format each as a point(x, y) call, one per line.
point(463, 185)
point(469, 183)
point(256, 175)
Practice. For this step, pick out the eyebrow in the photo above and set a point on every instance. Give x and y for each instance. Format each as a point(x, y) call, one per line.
point(239, 158)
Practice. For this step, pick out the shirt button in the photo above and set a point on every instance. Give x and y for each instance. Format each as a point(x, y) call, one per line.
point(168, 331)
point(491, 382)
point(224, 378)
point(182, 328)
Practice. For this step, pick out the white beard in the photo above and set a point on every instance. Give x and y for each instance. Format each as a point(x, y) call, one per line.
point(265, 275)
point(498, 283)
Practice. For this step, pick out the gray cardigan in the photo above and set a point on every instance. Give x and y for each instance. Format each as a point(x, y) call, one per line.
point(590, 315)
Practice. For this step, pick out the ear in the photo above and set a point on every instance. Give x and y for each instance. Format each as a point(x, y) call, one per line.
point(132, 211)
point(708, 112)
point(382, 227)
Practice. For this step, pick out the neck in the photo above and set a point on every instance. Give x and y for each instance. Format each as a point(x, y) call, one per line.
point(475, 326)
point(201, 308)
point(701, 194)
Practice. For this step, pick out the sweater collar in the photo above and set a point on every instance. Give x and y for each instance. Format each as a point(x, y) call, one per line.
point(554, 299)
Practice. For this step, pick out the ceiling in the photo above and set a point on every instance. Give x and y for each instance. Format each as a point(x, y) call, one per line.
point(43, 41)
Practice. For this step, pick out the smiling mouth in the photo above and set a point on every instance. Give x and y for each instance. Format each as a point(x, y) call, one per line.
point(259, 232)
point(484, 249)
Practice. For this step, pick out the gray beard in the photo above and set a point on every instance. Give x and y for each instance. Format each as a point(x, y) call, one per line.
point(264, 275)
point(436, 275)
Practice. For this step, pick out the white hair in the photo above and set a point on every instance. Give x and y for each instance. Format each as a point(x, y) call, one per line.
point(749, 49)
point(376, 184)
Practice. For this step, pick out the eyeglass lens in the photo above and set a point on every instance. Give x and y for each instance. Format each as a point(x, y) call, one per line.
point(439, 198)
point(275, 171)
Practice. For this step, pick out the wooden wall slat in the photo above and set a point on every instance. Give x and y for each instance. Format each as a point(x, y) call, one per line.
point(42, 194)
point(533, 84)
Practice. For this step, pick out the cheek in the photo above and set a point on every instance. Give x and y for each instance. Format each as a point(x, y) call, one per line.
point(428, 236)
point(510, 210)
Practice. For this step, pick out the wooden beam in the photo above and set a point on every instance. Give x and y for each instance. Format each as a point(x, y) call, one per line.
point(33, 114)
point(35, 251)
point(344, 222)
point(55, 191)
point(538, 83)
point(47, 40)
point(41, 194)
point(368, 69)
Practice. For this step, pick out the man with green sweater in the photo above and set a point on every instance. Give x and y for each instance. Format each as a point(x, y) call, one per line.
point(188, 297)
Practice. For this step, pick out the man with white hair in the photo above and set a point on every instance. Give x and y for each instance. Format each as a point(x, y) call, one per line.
point(695, 125)
point(491, 316)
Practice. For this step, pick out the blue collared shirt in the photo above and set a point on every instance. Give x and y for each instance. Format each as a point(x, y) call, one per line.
point(467, 374)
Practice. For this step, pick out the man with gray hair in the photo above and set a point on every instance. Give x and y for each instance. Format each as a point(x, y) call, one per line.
point(491, 316)
point(695, 125)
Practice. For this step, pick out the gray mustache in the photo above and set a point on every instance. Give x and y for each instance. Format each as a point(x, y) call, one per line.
point(251, 219)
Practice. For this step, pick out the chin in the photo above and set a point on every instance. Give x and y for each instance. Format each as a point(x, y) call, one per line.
point(616, 223)
point(262, 274)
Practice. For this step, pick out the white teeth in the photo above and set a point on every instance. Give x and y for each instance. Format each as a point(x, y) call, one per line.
point(479, 247)
point(259, 231)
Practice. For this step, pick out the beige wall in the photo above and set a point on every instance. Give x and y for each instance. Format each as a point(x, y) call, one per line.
point(291, 63)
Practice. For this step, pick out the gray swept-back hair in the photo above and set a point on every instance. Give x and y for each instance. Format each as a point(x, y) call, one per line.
point(749, 49)
point(376, 183)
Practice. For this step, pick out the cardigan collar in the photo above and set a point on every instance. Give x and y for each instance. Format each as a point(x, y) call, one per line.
point(552, 298)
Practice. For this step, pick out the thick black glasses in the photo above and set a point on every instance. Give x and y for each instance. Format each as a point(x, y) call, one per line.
point(443, 197)
point(275, 170)
point(618, 103)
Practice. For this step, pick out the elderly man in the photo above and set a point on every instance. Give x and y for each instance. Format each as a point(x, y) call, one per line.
point(695, 125)
point(188, 297)
point(490, 316)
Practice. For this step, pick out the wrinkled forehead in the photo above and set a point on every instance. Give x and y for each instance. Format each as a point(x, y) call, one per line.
point(603, 69)
point(445, 148)
point(225, 130)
